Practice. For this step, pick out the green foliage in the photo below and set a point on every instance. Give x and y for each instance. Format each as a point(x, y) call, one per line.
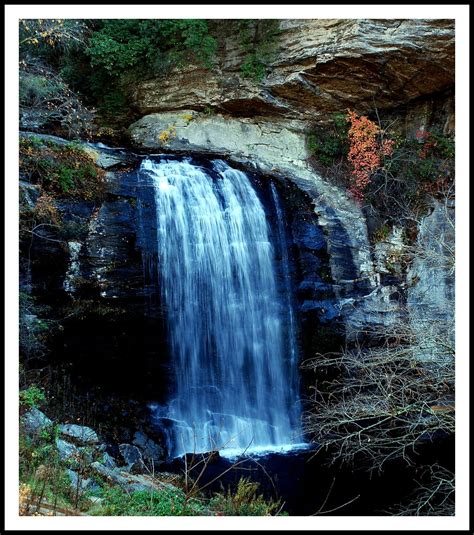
point(258, 39)
point(253, 68)
point(381, 234)
point(61, 170)
point(172, 501)
point(325, 149)
point(43, 474)
point(36, 89)
point(48, 103)
point(209, 111)
point(122, 49)
point(32, 397)
point(408, 171)
point(165, 502)
point(442, 145)
point(101, 59)
point(114, 102)
point(244, 502)
point(330, 144)
point(427, 160)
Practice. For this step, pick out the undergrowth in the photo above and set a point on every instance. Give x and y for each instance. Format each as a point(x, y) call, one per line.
point(64, 171)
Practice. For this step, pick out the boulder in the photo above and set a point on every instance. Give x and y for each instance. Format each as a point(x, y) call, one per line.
point(150, 450)
point(80, 434)
point(128, 482)
point(84, 484)
point(105, 157)
point(108, 461)
point(66, 450)
point(132, 457)
point(34, 421)
point(273, 143)
point(110, 474)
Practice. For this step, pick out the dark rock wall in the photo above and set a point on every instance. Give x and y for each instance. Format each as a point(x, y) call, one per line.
point(97, 276)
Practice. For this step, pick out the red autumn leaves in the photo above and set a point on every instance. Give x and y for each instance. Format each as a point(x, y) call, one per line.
point(367, 149)
point(428, 143)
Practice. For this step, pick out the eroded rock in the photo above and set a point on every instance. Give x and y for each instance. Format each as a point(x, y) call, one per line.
point(80, 484)
point(132, 457)
point(34, 421)
point(66, 450)
point(150, 450)
point(79, 433)
point(319, 66)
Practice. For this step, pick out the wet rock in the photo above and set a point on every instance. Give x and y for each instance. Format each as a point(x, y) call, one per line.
point(34, 421)
point(309, 236)
point(74, 266)
point(80, 434)
point(127, 481)
point(150, 450)
point(315, 286)
point(271, 149)
point(326, 309)
point(206, 458)
point(82, 484)
point(112, 260)
point(403, 65)
point(66, 450)
point(29, 194)
point(108, 461)
point(132, 457)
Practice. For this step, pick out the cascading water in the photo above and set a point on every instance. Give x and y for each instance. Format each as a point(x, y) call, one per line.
point(287, 286)
point(234, 390)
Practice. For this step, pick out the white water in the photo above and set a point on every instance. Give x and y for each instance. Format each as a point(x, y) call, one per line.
point(285, 262)
point(233, 368)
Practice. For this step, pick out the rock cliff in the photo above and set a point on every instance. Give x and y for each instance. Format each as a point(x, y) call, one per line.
point(318, 67)
point(404, 67)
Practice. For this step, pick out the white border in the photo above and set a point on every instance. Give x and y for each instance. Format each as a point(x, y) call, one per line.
point(459, 12)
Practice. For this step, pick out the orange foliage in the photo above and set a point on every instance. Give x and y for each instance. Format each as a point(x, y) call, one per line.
point(365, 151)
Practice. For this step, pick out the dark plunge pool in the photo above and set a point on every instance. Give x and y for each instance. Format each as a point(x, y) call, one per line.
point(307, 483)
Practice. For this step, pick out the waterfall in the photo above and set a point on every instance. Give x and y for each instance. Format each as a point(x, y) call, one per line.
point(232, 366)
point(287, 286)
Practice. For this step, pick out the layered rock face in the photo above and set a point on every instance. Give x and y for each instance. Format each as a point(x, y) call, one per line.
point(404, 67)
point(319, 66)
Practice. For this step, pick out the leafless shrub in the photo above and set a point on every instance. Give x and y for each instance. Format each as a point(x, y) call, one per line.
point(47, 101)
point(392, 391)
point(386, 400)
point(434, 495)
point(55, 33)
